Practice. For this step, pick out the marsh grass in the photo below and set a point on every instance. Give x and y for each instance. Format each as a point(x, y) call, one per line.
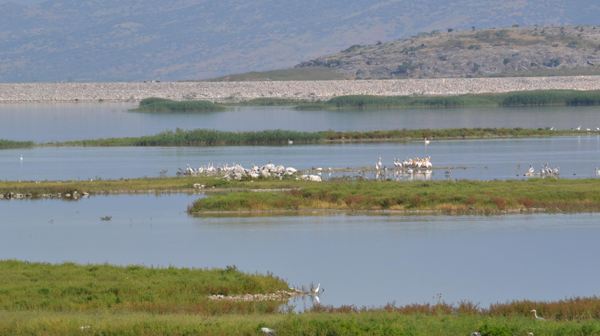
point(509, 99)
point(74, 288)
point(446, 197)
point(158, 185)
point(154, 104)
point(70, 299)
point(204, 137)
point(349, 322)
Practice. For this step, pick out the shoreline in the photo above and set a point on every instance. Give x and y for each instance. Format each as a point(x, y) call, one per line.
point(302, 90)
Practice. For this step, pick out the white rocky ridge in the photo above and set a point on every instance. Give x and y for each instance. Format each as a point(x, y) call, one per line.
point(309, 90)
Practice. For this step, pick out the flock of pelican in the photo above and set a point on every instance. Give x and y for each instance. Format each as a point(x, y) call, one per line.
point(545, 171)
point(238, 172)
point(411, 164)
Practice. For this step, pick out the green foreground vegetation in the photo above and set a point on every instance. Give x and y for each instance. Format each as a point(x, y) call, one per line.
point(373, 323)
point(204, 137)
point(509, 99)
point(76, 288)
point(70, 299)
point(8, 144)
point(166, 105)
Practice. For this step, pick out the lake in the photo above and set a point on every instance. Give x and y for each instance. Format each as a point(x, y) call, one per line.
point(471, 159)
point(359, 260)
point(60, 122)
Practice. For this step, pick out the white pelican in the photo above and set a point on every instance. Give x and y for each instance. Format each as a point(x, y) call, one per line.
point(535, 315)
point(427, 141)
point(530, 171)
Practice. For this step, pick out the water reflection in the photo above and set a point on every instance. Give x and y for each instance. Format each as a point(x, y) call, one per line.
point(473, 159)
point(59, 122)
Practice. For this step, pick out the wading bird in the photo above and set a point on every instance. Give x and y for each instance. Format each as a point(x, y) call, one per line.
point(317, 290)
point(427, 141)
point(535, 315)
point(378, 164)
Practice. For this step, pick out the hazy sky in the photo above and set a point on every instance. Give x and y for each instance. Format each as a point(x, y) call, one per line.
point(24, 2)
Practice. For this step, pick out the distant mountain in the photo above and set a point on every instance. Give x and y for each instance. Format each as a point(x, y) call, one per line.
point(110, 40)
point(570, 50)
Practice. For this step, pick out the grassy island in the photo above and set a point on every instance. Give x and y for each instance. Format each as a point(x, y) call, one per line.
point(204, 137)
point(444, 197)
point(509, 99)
point(70, 299)
point(167, 105)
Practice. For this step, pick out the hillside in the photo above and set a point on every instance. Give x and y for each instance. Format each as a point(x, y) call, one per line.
point(514, 51)
point(125, 40)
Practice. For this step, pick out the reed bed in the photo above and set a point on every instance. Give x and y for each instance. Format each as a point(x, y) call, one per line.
point(206, 137)
point(509, 99)
point(161, 105)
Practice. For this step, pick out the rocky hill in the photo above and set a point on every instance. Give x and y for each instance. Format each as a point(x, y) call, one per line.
point(532, 51)
point(125, 40)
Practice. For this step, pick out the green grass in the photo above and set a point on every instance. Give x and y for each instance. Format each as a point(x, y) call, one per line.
point(70, 299)
point(8, 144)
point(204, 137)
point(447, 197)
point(77, 288)
point(166, 105)
point(342, 322)
point(510, 99)
point(172, 184)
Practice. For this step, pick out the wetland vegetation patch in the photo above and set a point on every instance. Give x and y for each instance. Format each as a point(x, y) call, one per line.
point(160, 105)
point(536, 98)
point(206, 137)
point(445, 197)
point(9, 144)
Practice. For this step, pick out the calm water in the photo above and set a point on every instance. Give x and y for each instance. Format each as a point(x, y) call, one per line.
point(473, 159)
point(57, 122)
point(365, 261)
